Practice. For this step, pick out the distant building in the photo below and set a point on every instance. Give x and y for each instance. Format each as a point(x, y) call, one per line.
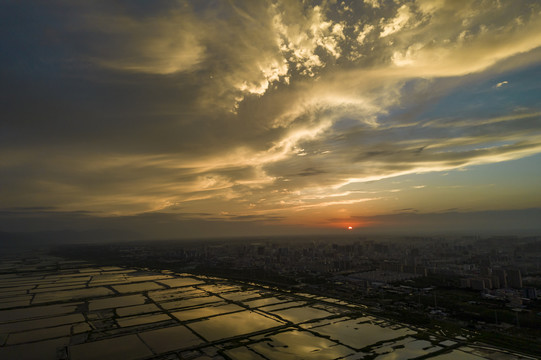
point(391, 266)
point(486, 271)
point(409, 269)
point(514, 278)
point(515, 302)
point(488, 283)
point(495, 282)
point(502, 277)
point(477, 284)
point(530, 293)
point(421, 270)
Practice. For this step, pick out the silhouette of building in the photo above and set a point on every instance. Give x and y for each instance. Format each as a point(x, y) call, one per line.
point(514, 278)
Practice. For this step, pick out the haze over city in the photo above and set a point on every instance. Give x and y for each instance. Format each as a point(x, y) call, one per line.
point(224, 118)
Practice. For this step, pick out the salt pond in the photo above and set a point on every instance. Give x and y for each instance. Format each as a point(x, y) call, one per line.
point(115, 302)
point(41, 323)
point(71, 295)
point(206, 311)
point(302, 314)
point(230, 325)
point(179, 282)
point(461, 355)
point(191, 302)
point(137, 287)
point(170, 338)
point(137, 309)
point(404, 349)
point(129, 347)
point(264, 301)
point(359, 334)
point(296, 344)
point(88, 312)
point(142, 319)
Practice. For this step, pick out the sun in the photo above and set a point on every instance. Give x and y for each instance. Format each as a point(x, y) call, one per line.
point(350, 227)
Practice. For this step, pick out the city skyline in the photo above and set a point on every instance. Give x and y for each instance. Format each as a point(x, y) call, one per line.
point(204, 118)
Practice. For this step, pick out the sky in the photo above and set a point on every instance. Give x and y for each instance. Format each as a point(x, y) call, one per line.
point(227, 118)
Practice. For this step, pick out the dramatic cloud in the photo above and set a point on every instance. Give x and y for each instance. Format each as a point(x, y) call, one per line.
point(277, 111)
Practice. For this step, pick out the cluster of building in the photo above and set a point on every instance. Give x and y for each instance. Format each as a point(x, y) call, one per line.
point(496, 278)
point(406, 278)
point(483, 264)
point(52, 308)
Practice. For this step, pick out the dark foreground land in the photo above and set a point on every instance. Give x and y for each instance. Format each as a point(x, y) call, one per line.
point(259, 299)
point(68, 309)
point(433, 300)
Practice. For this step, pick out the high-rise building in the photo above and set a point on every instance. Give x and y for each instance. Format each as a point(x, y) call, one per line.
point(502, 277)
point(477, 284)
point(495, 282)
point(465, 283)
point(514, 278)
point(530, 293)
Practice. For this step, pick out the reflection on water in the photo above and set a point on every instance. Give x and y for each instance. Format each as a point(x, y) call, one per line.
point(118, 301)
point(302, 314)
point(240, 296)
point(144, 286)
point(56, 288)
point(71, 295)
point(181, 282)
point(458, 355)
point(41, 323)
point(284, 305)
point(140, 278)
point(333, 301)
point(264, 302)
point(206, 311)
point(243, 353)
point(358, 335)
point(190, 302)
point(108, 279)
point(40, 334)
point(142, 319)
point(42, 350)
point(137, 309)
point(107, 325)
point(404, 349)
point(220, 288)
point(37, 311)
point(174, 294)
point(230, 325)
point(127, 347)
point(299, 345)
point(171, 338)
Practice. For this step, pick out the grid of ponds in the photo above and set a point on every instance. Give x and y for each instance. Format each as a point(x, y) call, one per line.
point(57, 309)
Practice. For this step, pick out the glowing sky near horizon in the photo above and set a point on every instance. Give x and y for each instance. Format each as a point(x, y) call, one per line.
point(280, 113)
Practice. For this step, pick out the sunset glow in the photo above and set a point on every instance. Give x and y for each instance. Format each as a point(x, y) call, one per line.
point(199, 118)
